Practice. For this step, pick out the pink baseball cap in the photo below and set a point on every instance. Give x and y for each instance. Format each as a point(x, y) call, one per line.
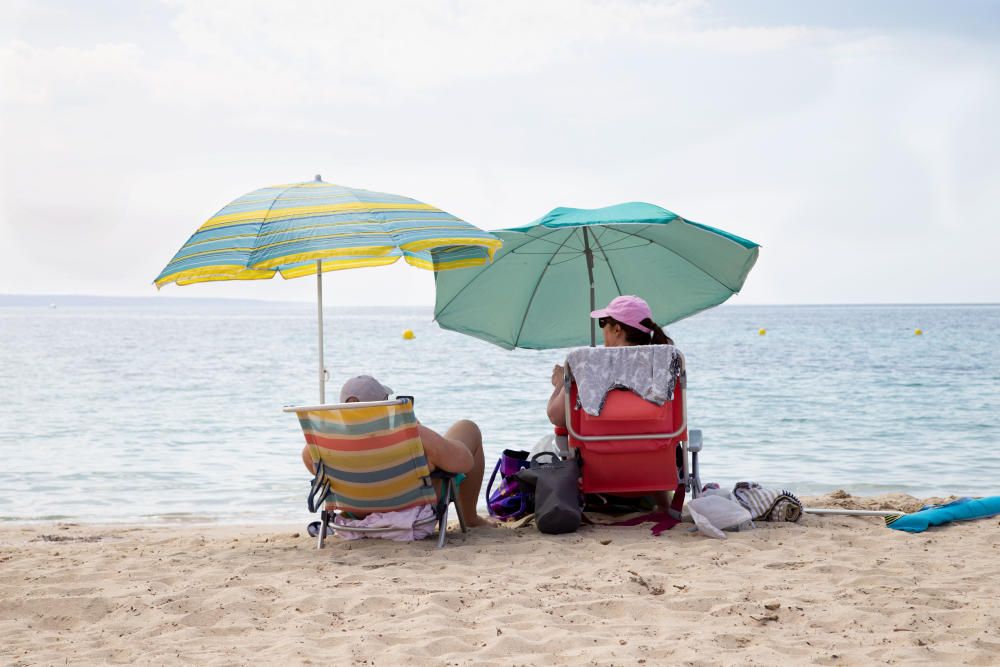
point(628, 309)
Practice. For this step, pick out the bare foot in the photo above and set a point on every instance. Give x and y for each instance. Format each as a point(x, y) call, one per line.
point(475, 521)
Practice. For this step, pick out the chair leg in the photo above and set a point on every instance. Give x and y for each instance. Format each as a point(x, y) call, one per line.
point(695, 443)
point(324, 517)
point(695, 476)
point(458, 507)
point(443, 526)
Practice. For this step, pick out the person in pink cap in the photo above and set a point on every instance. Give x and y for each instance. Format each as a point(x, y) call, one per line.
point(627, 320)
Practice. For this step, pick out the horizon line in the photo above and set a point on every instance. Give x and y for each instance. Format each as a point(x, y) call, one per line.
point(248, 301)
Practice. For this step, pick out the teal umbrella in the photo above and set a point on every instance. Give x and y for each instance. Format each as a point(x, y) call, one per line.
point(546, 279)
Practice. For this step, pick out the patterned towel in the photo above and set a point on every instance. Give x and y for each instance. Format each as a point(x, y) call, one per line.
point(651, 371)
point(767, 504)
point(402, 526)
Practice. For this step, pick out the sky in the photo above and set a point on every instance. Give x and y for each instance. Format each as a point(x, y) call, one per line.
point(856, 141)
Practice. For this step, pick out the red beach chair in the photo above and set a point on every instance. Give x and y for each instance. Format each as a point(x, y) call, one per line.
point(634, 447)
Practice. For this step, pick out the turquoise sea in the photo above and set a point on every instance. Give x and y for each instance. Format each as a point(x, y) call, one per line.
point(161, 413)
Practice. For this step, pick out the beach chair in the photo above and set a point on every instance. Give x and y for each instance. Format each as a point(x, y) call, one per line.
point(368, 458)
point(634, 447)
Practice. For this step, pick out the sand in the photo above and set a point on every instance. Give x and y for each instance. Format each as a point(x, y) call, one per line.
point(827, 590)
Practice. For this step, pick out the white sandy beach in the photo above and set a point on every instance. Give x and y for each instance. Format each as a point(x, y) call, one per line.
point(830, 590)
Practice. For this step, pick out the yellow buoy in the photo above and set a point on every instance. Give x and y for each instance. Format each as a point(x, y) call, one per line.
point(918, 332)
point(408, 334)
point(762, 332)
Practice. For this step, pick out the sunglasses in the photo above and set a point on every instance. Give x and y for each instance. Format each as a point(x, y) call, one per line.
point(604, 321)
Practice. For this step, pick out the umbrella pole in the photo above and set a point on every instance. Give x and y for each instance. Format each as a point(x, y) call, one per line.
point(846, 512)
point(319, 313)
point(589, 254)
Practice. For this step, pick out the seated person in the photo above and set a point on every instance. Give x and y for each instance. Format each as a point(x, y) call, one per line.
point(459, 450)
point(626, 321)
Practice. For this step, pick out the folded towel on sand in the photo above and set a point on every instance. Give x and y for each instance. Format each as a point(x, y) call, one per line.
point(651, 371)
point(768, 504)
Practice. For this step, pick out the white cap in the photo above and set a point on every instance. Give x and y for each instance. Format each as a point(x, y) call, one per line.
point(364, 388)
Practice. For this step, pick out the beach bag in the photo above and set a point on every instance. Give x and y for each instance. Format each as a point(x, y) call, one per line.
point(557, 492)
point(512, 499)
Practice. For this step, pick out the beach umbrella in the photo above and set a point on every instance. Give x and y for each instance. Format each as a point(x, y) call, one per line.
point(309, 228)
point(543, 284)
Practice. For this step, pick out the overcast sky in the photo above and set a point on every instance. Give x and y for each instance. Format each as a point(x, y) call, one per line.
point(858, 142)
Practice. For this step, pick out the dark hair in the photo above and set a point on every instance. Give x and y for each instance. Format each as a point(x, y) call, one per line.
point(635, 336)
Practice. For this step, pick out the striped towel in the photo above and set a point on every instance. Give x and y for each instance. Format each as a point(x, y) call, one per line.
point(767, 504)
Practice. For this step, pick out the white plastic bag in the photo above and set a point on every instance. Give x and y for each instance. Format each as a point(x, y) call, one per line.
point(686, 510)
point(547, 443)
point(713, 514)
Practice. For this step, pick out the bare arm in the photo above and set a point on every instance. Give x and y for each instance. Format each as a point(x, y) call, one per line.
point(556, 409)
point(445, 453)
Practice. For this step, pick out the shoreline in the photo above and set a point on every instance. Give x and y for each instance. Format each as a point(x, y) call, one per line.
point(896, 500)
point(826, 590)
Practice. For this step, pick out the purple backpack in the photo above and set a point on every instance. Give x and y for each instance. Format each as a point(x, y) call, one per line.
point(513, 498)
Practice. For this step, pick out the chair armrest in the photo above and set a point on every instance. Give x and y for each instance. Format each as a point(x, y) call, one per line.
point(694, 440)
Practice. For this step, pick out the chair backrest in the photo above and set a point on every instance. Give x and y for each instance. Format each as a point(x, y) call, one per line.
point(616, 459)
point(626, 413)
point(370, 453)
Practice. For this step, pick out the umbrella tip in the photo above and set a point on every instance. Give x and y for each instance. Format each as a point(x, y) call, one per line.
point(319, 178)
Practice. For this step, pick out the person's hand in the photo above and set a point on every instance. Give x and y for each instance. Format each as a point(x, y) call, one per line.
point(558, 375)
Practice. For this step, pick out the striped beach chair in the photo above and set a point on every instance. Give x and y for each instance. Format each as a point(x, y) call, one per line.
point(368, 458)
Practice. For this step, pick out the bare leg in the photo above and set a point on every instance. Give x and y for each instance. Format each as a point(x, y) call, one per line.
point(307, 460)
point(468, 434)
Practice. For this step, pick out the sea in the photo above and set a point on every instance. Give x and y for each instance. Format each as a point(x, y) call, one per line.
point(140, 412)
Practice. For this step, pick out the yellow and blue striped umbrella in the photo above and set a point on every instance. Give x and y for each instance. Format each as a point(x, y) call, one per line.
point(309, 228)
point(302, 228)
